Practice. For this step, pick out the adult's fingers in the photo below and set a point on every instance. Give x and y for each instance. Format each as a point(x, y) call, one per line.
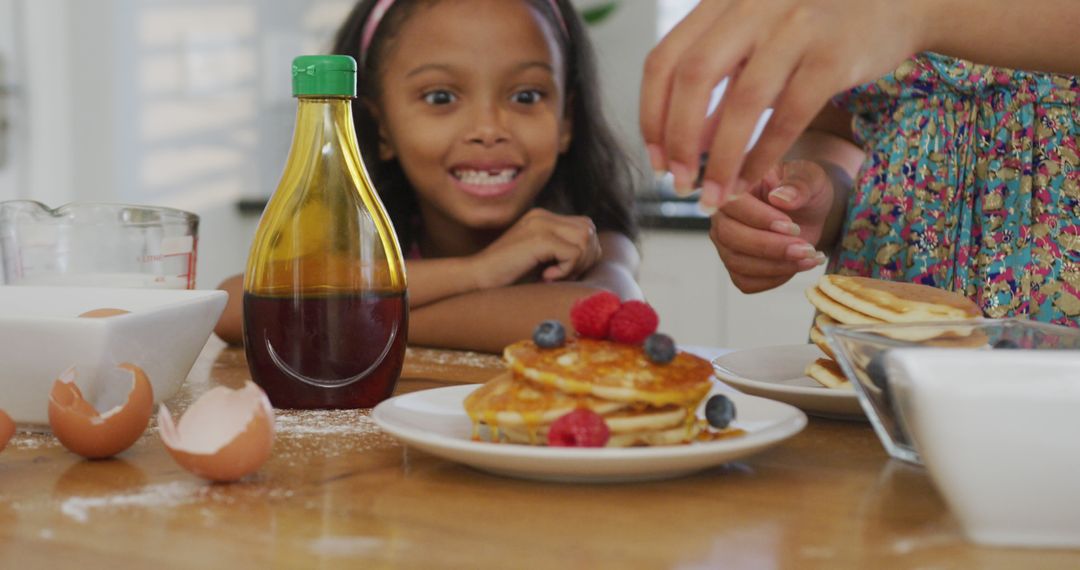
point(747, 240)
point(714, 56)
point(753, 91)
point(750, 266)
point(753, 212)
point(659, 69)
point(757, 284)
point(806, 93)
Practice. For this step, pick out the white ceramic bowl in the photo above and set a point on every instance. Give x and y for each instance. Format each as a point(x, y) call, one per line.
point(999, 433)
point(41, 337)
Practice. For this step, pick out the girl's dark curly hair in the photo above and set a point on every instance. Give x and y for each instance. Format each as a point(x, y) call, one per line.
point(593, 178)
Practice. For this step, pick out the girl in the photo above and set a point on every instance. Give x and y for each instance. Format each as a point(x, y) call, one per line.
point(480, 123)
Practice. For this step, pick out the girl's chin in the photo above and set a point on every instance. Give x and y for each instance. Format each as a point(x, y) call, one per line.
point(484, 219)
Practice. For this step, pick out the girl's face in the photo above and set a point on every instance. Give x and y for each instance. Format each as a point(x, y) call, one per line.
point(471, 106)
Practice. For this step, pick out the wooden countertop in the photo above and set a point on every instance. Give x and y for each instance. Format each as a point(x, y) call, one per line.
point(339, 493)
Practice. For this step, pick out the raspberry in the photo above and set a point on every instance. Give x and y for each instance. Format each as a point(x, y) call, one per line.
point(633, 323)
point(591, 315)
point(549, 334)
point(579, 428)
point(660, 348)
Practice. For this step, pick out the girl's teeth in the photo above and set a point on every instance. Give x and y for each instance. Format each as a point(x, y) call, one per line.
point(485, 177)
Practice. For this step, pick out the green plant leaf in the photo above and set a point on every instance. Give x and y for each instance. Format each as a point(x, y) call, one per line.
point(595, 14)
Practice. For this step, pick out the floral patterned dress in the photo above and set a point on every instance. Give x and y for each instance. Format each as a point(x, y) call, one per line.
point(971, 184)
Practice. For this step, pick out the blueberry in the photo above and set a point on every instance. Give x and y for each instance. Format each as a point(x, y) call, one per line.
point(549, 334)
point(1006, 343)
point(719, 411)
point(660, 348)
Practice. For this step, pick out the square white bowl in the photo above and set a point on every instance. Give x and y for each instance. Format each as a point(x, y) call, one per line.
point(41, 336)
point(998, 433)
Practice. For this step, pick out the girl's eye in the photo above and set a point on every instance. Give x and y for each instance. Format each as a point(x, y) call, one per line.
point(528, 96)
point(439, 97)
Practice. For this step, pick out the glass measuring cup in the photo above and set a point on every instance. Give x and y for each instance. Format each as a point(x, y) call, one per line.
point(97, 245)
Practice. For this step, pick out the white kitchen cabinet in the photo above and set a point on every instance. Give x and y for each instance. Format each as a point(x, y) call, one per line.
point(683, 278)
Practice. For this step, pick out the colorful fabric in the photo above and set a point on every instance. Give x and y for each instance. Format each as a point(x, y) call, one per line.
point(971, 184)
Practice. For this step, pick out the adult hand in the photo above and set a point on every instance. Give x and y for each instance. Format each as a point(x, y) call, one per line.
point(566, 246)
point(769, 234)
point(790, 55)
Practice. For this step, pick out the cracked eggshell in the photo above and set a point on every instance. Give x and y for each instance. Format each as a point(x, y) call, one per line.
point(92, 434)
point(225, 435)
point(7, 429)
point(102, 313)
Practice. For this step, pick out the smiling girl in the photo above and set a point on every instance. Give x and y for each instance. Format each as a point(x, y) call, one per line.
point(481, 125)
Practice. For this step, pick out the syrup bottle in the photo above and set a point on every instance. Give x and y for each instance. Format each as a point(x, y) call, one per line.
point(325, 307)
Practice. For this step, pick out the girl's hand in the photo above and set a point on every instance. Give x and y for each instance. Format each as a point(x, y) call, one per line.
point(790, 55)
point(566, 245)
point(769, 234)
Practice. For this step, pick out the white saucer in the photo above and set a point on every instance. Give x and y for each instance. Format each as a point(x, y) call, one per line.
point(435, 421)
point(776, 372)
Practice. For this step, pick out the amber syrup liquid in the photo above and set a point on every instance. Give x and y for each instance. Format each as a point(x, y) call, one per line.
point(334, 351)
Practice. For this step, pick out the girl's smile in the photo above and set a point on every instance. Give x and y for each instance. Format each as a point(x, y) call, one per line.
point(486, 181)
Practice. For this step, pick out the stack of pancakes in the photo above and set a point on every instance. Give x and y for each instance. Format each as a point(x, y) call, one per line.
point(642, 403)
point(847, 300)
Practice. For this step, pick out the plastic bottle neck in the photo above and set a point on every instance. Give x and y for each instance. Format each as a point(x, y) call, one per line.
point(321, 120)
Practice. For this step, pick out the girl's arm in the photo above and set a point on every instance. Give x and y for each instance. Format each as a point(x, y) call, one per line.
point(564, 246)
point(490, 319)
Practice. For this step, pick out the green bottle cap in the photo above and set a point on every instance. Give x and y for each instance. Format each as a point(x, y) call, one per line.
point(324, 76)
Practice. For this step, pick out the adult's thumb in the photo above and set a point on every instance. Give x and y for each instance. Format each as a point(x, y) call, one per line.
point(799, 181)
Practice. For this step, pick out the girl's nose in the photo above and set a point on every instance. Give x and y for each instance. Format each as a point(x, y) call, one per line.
point(489, 126)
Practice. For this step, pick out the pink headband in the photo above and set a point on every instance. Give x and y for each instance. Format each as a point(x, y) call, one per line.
point(383, 6)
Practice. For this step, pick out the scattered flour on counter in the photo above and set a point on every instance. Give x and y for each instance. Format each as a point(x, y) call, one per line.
point(327, 434)
point(32, 440)
point(163, 495)
point(345, 545)
point(475, 359)
point(325, 422)
point(174, 494)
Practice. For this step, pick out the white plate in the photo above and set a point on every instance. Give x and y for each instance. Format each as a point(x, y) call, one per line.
point(776, 372)
point(435, 421)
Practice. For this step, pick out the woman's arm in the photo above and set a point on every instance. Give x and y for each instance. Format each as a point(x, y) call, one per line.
point(1034, 35)
point(793, 55)
point(490, 319)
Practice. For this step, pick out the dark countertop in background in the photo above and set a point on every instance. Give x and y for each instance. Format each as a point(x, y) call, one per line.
point(661, 213)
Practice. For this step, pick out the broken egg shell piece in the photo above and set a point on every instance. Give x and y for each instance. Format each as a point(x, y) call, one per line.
point(225, 434)
point(82, 429)
point(7, 429)
point(102, 313)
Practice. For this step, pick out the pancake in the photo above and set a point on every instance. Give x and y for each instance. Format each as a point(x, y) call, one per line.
point(838, 312)
point(505, 401)
point(612, 371)
point(828, 373)
point(846, 315)
point(629, 427)
point(817, 337)
point(822, 320)
point(897, 302)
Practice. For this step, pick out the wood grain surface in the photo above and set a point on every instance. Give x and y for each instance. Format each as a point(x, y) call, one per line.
point(339, 493)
